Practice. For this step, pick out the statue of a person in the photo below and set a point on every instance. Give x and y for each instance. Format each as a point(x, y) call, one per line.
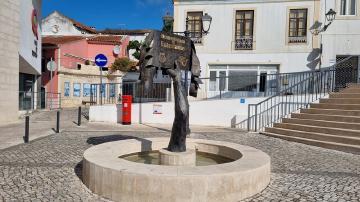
point(176, 56)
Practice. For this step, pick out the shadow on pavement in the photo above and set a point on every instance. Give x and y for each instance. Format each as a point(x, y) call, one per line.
point(109, 138)
point(158, 128)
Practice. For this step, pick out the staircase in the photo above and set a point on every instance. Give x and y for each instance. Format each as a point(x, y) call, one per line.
point(333, 123)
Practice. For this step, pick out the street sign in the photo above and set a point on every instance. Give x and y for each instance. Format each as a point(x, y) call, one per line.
point(242, 101)
point(51, 66)
point(101, 60)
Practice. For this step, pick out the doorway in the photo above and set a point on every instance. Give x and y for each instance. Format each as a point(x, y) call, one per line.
point(346, 72)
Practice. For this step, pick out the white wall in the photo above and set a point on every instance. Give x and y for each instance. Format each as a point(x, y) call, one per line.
point(211, 113)
point(270, 33)
point(65, 26)
point(105, 113)
point(343, 35)
point(28, 38)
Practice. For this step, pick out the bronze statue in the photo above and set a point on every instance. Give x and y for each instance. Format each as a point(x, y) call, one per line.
point(175, 56)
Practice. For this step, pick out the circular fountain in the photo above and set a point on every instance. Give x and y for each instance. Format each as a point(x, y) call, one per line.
point(131, 170)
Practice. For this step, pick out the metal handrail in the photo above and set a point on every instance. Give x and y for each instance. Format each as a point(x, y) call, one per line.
point(317, 85)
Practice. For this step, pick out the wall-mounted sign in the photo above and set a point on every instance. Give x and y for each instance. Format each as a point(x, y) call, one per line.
point(242, 101)
point(157, 109)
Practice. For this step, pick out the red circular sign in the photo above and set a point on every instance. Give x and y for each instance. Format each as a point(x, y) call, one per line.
point(34, 21)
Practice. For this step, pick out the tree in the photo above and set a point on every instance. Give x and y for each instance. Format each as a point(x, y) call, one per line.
point(123, 64)
point(134, 45)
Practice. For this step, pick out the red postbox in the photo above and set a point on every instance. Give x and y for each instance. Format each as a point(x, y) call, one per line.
point(126, 109)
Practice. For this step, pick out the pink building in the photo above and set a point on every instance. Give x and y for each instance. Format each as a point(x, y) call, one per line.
point(74, 56)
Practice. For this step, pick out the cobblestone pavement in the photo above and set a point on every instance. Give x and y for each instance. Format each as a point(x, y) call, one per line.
point(41, 125)
point(49, 168)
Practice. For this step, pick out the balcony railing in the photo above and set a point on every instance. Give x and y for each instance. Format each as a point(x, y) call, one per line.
point(244, 43)
point(297, 39)
point(196, 37)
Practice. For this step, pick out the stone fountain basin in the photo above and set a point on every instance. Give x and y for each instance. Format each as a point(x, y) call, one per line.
point(109, 176)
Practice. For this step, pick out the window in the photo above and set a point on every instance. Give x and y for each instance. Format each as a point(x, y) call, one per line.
point(66, 89)
point(112, 90)
point(244, 30)
point(297, 25)
point(93, 90)
point(242, 80)
point(194, 26)
point(222, 80)
point(77, 89)
point(348, 7)
point(86, 90)
point(103, 90)
point(212, 85)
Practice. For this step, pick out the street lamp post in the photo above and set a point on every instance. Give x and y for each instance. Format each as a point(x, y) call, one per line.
point(206, 21)
point(318, 28)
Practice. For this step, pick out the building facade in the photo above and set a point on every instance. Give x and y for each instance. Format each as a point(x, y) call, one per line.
point(250, 39)
point(342, 37)
point(20, 42)
point(73, 46)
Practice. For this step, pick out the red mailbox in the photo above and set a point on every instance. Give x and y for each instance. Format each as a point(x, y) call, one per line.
point(126, 109)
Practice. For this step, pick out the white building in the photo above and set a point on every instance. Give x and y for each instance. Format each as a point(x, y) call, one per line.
point(259, 37)
point(342, 38)
point(59, 24)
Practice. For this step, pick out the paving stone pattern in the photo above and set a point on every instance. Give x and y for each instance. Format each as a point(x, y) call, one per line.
point(49, 169)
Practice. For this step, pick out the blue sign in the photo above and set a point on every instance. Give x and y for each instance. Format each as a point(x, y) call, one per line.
point(101, 60)
point(242, 101)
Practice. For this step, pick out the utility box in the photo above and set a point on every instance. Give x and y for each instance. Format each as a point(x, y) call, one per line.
point(126, 109)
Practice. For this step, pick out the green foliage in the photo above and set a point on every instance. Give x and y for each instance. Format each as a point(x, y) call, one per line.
point(123, 64)
point(136, 46)
point(136, 55)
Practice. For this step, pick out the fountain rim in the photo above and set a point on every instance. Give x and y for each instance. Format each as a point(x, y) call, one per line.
point(106, 155)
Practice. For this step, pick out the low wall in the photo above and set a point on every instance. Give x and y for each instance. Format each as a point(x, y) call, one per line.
point(210, 112)
point(105, 113)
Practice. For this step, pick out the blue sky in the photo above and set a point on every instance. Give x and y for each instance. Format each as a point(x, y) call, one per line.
point(116, 14)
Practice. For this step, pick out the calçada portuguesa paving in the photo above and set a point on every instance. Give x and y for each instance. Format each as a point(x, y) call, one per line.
point(49, 168)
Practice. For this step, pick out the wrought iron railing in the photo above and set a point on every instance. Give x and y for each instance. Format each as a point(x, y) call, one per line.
point(241, 85)
point(311, 87)
point(244, 43)
point(297, 39)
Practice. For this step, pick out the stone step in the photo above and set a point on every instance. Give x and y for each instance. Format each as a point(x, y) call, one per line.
point(331, 112)
point(349, 119)
point(344, 95)
point(350, 90)
point(339, 132)
point(353, 85)
point(335, 106)
point(340, 101)
point(322, 123)
point(325, 144)
point(315, 136)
